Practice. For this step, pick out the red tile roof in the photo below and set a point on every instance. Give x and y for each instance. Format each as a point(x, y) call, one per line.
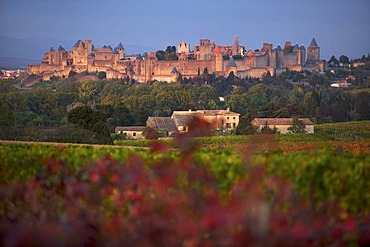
point(217, 50)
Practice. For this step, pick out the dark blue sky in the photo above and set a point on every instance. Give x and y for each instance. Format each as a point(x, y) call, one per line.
point(339, 26)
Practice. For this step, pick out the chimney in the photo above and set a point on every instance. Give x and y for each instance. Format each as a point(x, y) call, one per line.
point(228, 109)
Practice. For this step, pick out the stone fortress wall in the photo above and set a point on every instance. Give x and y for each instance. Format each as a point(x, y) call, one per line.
point(207, 55)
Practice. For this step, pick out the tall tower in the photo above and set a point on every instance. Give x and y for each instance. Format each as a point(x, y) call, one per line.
point(205, 49)
point(219, 63)
point(120, 50)
point(88, 46)
point(313, 52)
point(235, 46)
point(51, 56)
point(183, 47)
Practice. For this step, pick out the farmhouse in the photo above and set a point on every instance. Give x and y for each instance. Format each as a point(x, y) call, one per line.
point(180, 121)
point(163, 125)
point(130, 132)
point(282, 124)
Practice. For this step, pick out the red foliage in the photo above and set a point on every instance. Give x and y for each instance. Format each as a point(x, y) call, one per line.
point(168, 204)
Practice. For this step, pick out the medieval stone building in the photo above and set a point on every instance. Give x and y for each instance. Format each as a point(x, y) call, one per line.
point(217, 59)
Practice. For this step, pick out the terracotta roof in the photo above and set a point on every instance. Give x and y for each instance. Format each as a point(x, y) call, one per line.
point(251, 53)
point(313, 42)
point(183, 56)
point(279, 121)
point(129, 128)
point(161, 123)
point(217, 51)
point(152, 55)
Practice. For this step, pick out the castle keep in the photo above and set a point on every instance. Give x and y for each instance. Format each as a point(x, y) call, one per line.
point(217, 59)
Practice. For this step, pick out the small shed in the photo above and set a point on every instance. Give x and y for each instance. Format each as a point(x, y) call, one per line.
point(130, 132)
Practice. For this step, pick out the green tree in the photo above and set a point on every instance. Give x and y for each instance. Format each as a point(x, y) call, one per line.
point(89, 90)
point(85, 118)
point(101, 75)
point(298, 126)
point(344, 59)
point(333, 62)
point(160, 55)
point(72, 73)
point(245, 127)
point(150, 133)
point(362, 105)
point(7, 121)
point(170, 56)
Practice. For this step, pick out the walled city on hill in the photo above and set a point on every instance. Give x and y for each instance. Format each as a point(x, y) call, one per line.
point(209, 56)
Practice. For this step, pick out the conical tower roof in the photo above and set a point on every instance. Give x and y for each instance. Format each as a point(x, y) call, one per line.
point(139, 57)
point(183, 56)
point(130, 70)
point(278, 48)
point(313, 42)
point(51, 49)
point(251, 53)
point(61, 48)
point(231, 63)
point(174, 70)
point(78, 43)
point(152, 55)
point(217, 51)
point(120, 46)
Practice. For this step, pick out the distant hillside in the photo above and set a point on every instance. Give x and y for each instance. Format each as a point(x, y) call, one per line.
point(16, 63)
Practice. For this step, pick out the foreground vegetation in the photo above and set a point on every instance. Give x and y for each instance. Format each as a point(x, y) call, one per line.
point(260, 194)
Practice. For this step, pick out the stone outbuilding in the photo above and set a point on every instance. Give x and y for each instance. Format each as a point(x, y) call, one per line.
point(131, 132)
point(282, 124)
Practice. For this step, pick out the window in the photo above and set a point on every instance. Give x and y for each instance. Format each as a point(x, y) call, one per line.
point(134, 134)
point(233, 117)
point(228, 125)
point(234, 125)
point(227, 118)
